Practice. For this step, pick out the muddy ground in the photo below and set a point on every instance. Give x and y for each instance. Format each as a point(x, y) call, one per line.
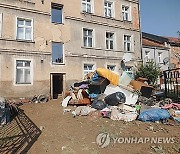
point(44, 128)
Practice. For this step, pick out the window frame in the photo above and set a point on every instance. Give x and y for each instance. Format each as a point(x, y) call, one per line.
point(126, 42)
point(92, 37)
point(111, 65)
point(32, 29)
point(109, 39)
point(107, 7)
point(1, 23)
point(91, 3)
point(128, 12)
point(57, 6)
point(15, 72)
point(56, 63)
point(160, 57)
point(146, 56)
point(93, 68)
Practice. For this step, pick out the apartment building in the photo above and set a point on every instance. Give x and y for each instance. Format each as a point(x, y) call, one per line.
point(156, 48)
point(46, 45)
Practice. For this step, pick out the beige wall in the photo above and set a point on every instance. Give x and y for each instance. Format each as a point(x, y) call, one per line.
point(70, 33)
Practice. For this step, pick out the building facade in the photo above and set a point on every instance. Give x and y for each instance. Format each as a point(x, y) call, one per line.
point(156, 48)
point(45, 46)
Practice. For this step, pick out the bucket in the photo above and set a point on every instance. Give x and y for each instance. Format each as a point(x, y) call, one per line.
point(125, 79)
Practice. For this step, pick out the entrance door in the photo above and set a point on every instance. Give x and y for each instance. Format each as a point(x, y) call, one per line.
point(56, 85)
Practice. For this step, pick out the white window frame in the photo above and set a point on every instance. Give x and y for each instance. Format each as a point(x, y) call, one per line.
point(129, 70)
point(88, 71)
point(111, 65)
point(109, 40)
point(146, 56)
point(109, 8)
point(32, 28)
point(15, 72)
point(124, 12)
point(88, 37)
point(159, 57)
point(126, 42)
point(91, 3)
point(1, 23)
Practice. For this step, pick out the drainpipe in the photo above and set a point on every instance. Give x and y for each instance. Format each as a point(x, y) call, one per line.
point(140, 30)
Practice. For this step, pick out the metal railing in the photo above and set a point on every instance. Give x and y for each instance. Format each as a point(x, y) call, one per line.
point(172, 84)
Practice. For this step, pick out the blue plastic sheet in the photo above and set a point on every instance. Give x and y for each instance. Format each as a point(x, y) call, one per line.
point(154, 114)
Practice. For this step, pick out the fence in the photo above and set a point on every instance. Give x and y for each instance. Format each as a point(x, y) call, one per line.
point(172, 84)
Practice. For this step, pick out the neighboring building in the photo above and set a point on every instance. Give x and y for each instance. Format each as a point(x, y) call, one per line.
point(175, 52)
point(46, 45)
point(156, 48)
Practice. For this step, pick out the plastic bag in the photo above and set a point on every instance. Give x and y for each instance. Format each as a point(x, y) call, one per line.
point(154, 114)
point(115, 98)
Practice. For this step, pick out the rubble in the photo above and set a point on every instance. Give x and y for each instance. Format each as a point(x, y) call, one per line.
point(107, 95)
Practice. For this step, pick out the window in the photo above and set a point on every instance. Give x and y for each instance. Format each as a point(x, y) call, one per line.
point(109, 40)
point(111, 67)
point(57, 53)
point(159, 57)
point(87, 37)
point(24, 29)
point(108, 9)
point(126, 13)
point(0, 24)
point(127, 43)
point(23, 72)
point(87, 6)
point(88, 68)
point(56, 13)
point(146, 57)
point(129, 70)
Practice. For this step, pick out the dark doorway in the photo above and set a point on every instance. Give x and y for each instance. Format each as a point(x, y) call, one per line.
point(56, 85)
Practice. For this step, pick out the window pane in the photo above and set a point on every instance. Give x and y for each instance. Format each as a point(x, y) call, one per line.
point(27, 76)
point(28, 34)
point(20, 22)
point(90, 33)
point(85, 41)
point(90, 42)
point(107, 45)
point(57, 52)
point(28, 23)
point(111, 44)
point(19, 76)
point(20, 33)
point(27, 63)
point(128, 46)
point(89, 8)
point(19, 63)
point(56, 15)
point(83, 7)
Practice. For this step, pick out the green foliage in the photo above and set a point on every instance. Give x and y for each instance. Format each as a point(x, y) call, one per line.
point(150, 71)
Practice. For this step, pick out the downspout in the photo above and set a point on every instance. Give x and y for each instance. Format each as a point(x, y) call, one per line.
point(140, 30)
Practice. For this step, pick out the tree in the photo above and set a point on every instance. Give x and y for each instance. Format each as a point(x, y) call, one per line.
point(150, 71)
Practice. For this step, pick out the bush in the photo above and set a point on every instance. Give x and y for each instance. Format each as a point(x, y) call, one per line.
point(150, 71)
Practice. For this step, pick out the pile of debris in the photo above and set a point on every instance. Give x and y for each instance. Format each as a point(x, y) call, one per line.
point(118, 98)
point(8, 110)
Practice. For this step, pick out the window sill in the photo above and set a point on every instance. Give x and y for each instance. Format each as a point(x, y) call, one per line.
point(57, 64)
point(29, 1)
point(89, 13)
point(23, 84)
point(127, 21)
point(87, 47)
point(56, 23)
point(27, 41)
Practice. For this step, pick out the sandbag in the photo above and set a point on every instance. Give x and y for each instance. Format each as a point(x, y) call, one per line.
point(115, 98)
point(98, 104)
point(154, 114)
point(112, 77)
